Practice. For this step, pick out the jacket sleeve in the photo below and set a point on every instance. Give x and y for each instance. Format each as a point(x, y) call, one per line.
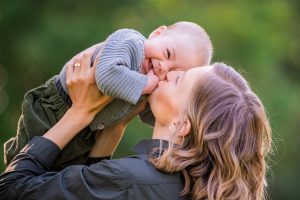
point(28, 176)
point(117, 71)
point(147, 117)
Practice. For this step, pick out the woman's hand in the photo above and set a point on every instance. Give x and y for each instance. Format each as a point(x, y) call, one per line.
point(87, 100)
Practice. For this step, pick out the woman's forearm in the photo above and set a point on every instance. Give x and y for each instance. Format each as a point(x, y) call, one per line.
point(67, 127)
point(87, 100)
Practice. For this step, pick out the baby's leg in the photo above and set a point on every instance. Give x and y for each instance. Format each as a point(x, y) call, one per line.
point(13, 146)
point(42, 108)
point(39, 113)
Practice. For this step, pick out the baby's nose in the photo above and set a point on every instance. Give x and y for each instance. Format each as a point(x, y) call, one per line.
point(163, 70)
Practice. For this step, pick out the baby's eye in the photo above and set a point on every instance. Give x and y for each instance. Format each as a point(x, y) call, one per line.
point(168, 54)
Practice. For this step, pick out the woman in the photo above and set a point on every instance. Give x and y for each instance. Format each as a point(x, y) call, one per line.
point(210, 139)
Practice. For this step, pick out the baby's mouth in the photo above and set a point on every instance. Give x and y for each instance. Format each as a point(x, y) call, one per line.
point(150, 65)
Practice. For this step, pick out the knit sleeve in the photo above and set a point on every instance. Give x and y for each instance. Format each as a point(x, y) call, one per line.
point(117, 72)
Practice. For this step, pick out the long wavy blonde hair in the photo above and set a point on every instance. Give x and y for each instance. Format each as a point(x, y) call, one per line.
point(223, 156)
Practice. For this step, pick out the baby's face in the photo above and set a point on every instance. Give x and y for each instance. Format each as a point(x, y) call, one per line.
point(167, 52)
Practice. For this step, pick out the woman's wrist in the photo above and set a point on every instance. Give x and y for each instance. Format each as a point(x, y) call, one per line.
point(80, 116)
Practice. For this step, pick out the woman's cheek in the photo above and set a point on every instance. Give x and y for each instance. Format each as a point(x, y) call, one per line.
point(167, 110)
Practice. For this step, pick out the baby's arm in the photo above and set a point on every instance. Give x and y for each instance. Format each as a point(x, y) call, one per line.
point(151, 83)
point(117, 70)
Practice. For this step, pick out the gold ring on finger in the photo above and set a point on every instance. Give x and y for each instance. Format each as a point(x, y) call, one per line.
point(77, 65)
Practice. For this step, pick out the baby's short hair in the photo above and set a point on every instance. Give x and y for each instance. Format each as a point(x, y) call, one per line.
point(198, 35)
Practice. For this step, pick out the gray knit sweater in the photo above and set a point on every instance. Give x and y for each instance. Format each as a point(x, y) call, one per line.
point(118, 75)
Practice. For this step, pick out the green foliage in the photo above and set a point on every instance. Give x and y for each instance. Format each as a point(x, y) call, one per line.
point(260, 38)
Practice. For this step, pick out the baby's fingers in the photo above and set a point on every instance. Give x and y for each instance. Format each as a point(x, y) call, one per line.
point(151, 72)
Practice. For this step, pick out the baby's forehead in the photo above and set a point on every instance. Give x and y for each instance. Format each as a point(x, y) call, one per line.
point(188, 32)
point(188, 42)
point(181, 34)
point(190, 47)
point(190, 57)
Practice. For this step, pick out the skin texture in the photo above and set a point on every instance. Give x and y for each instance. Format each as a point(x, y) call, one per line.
point(168, 101)
point(170, 50)
point(166, 51)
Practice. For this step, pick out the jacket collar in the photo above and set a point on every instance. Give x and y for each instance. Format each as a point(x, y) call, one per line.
point(149, 146)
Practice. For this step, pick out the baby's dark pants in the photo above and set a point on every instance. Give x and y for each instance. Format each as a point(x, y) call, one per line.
point(42, 108)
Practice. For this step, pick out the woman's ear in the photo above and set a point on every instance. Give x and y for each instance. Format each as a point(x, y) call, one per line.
point(157, 32)
point(184, 129)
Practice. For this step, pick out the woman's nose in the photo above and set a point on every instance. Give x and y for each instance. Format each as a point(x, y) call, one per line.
point(171, 75)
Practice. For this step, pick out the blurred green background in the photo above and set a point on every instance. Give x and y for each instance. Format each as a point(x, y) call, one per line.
point(259, 38)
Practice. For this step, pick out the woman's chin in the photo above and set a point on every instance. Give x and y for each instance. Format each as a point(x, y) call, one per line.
point(153, 94)
point(152, 98)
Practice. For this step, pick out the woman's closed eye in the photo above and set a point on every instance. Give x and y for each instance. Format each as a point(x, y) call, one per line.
point(177, 79)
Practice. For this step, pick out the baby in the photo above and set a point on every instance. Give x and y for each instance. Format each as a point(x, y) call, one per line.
point(129, 67)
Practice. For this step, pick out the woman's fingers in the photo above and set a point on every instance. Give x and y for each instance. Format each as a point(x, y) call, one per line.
point(87, 69)
point(77, 66)
point(93, 73)
point(70, 70)
point(87, 59)
point(93, 68)
point(81, 63)
point(69, 73)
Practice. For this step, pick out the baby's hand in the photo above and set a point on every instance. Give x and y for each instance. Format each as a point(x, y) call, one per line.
point(151, 83)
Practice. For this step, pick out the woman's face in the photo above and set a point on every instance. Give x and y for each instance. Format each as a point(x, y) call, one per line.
point(169, 100)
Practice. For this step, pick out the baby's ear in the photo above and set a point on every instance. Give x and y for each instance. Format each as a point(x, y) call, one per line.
point(158, 31)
